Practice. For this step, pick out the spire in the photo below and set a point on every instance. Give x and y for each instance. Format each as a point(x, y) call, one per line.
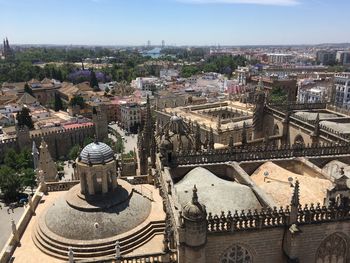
point(198, 142)
point(244, 134)
point(260, 86)
point(317, 125)
point(218, 125)
point(35, 154)
point(231, 143)
point(153, 151)
point(148, 127)
point(43, 143)
point(295, 198)
point(194, 195)
point(211, 139)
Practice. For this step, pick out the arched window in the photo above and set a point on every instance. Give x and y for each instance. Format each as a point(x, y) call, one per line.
point(236, 254)
point(299, 140)
point(276, 130)
point(333, 249)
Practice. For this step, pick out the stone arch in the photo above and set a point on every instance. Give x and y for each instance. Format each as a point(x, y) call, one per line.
point(299, 140)
point(276, 130)
point(237, 253)
point(333, 249)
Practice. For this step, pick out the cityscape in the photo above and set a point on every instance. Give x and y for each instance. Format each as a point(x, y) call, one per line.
point(174, 131)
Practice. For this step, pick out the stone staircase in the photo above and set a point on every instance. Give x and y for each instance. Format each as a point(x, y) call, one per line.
point(95, 250)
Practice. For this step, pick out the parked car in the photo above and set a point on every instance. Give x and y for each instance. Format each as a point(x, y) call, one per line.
point(22, 201)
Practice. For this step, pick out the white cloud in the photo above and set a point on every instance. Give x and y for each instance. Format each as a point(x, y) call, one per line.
point(256, 2)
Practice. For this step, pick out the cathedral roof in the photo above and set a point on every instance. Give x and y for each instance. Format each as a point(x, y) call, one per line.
point(215, 193)
point(96, 153)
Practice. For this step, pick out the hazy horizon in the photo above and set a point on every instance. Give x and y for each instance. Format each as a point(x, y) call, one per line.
point(178, 22)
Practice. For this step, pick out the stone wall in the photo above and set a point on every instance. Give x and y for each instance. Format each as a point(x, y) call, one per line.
point(264, 245)
point(5, 145)
point(21, 226)
point(307, 242)
point(59, 142)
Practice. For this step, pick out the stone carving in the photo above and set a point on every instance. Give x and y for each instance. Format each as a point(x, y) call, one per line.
point(239, 153)
point(117, 250)
point(236, 254)
point(266, 218)
point(332, 250)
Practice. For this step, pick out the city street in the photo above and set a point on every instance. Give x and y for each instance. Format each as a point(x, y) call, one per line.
point(5, 222)
point(130, 141)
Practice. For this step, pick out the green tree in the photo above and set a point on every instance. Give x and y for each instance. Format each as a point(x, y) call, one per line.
point(278, 95)
point(58, 102)
point(74, 152)
point(77, 100)
point(119, 145)
point(60, 166)
point(28, 89)
point(25, 159)
point(10, 183)
point(93, 81)
point(28, 178)
point(10, 159)
point(87, 141)
point(24, 118)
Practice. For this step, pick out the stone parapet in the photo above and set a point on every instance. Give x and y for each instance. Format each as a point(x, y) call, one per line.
point(255, 153)
point(267, 218)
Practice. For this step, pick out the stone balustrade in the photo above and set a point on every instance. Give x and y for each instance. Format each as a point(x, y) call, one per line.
point(61, 186)
point(255, 153)
point(267, 218)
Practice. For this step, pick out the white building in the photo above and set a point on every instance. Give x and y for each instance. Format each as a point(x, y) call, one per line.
point(130, 115)
point(310, 95)
point(168, 74)
point(10, 109)
point(343, 57)
point(146, 83)
point(342, 89)
point(279, 58)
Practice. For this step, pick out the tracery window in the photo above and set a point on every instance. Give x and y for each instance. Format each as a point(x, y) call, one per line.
point(332, 250)
point(299, 140)
point(236, 254)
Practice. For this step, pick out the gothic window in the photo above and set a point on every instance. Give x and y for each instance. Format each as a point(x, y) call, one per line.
point(236, 254)
point(299, 140)
point(332, 250)
point(276, 130)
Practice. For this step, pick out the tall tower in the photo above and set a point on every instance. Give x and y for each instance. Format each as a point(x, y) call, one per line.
point(23, 137)
point(193, 231)
point(163, 44)
point(258, 117)
point(46, 164)
point(148, 130)
point(99, 118)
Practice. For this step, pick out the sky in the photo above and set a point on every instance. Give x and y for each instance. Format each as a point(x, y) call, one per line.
point(177, 22)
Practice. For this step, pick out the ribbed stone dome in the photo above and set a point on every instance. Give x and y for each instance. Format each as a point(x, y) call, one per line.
point(96, 153)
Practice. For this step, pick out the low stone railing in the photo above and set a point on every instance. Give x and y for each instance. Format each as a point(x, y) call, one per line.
point(61, 186)
point(267, 218)
point(161, 257)
point(255, 153)
point(298, 106)
point(17, 232)
point(164, 257)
